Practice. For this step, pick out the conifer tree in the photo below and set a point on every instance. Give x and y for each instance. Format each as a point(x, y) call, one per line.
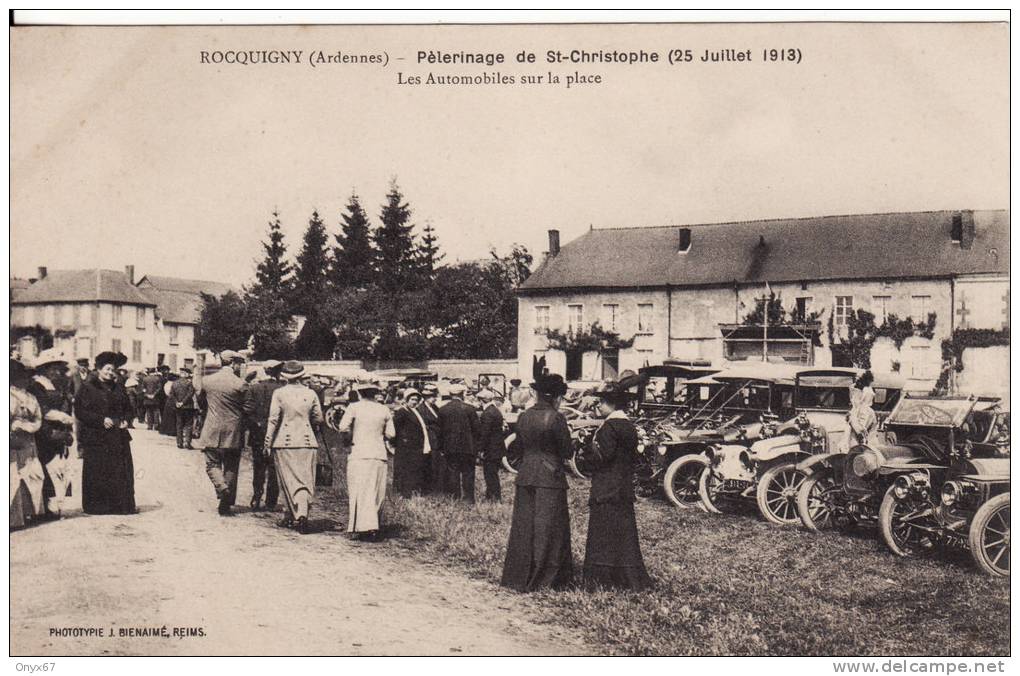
point(311, 272)
point(394, 240)
point(354, 258)
point(273, 274)
point(428, 254)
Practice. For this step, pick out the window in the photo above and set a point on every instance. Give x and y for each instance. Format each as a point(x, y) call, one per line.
point(49, 318)
point(920, 306)
point(29, 315)
point(117, 320)
point(189, 363)
point(115, 344)
point(575, 318)
point(920, 362)
point(844, 308)
point(803, 307)
point(18, 315)
point(136, 351)
point(644, 318)
point(542, 319)
point(172, 330)
point(880, 308)
point(67, 315)
point(610, 311)
point(140, 318)
point(86, 315)
point(172, 361)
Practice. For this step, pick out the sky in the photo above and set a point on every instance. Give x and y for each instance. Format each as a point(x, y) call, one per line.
point(126, 149)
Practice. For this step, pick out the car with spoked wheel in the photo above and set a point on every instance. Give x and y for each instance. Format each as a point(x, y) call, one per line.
point(770, 471)
point(951, 487)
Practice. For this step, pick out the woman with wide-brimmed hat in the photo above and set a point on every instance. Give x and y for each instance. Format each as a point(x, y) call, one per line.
point(538, 552)
point(51, 388)
point(26, 470)
point(103, 410)
point(295, 420)
point(613, 554)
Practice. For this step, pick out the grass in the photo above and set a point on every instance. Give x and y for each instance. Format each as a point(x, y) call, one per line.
point(733, 584)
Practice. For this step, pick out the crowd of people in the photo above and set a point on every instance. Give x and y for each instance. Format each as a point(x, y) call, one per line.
point(435, 445)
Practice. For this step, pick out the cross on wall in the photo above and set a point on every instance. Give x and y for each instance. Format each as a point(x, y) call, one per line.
point(962, 312)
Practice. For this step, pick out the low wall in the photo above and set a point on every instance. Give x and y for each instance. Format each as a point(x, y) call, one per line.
point(470, 369)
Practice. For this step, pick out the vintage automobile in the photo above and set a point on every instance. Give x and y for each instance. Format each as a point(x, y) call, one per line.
point(767, 471)
point(950, 459)
point(736, 406)
point(845, 487)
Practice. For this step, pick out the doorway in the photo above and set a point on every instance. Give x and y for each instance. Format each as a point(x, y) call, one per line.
point(575, 359)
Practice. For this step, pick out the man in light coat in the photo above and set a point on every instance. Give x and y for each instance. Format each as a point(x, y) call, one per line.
point(368, 425)
point(226, 402)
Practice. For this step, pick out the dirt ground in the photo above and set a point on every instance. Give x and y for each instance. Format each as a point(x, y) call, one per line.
point(250, 587)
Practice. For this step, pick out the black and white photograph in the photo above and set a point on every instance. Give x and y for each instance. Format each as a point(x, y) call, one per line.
point(510, 334)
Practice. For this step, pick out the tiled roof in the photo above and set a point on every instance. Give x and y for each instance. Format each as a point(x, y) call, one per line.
point(177, 300)
point(83, 286)
point(873, 246)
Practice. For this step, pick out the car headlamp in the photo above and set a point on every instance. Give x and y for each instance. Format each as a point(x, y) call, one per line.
point(951, 491)
point(902, 486)
point(866, 464)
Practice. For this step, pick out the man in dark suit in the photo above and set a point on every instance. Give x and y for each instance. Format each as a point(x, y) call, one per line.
point(152, 393)
point(226, 401)
point(264, 477)
point(459, 428)
point(182, 396)
point(435, 464)
point(491, 442)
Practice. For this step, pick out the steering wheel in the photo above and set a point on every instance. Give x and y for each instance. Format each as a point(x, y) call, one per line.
point(932, 414)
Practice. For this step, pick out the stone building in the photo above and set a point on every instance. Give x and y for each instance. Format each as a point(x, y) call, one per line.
point(86, 312)
point(685, 292)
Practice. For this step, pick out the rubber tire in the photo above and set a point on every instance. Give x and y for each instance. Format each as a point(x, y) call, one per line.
point(706, 502)
point(885, 524)
point(761, 491)
point(671, 472)
point(802, 500)
point(506, 462)
point(976, 535)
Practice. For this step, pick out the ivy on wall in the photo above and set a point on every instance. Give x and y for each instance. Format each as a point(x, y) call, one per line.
point(953, 347)
point(779, 316)
point(593, 339)
point(43, 337)
point(862, 332)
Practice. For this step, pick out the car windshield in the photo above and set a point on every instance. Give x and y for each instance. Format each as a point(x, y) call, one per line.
point(939, 412)
point(823, 397)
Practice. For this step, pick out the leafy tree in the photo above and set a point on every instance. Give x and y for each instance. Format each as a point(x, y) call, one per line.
point(353, 264)
point(271, 324)
point(223, 323)
point(311, 274)
point(273, 274)
point(394, 240)
point(316, 339)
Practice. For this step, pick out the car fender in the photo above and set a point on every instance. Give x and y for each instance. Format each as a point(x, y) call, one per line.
point(816, 462)
point(770, 449)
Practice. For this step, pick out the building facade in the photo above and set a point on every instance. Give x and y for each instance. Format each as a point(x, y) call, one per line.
point(87, 312)
point(686, 292)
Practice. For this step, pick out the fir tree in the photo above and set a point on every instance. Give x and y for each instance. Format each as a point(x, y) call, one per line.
point(311, 274)
point(428, 254)
point(394, 240)
point(353, 264)
point(273, 274)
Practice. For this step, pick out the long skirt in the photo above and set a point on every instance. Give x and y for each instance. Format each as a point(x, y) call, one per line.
point(538, 553)
point(108, 479)
point(366, 490)
point(612, 557)
point(168, 421)
point(295, 468)
point(26, 486)
point(408, 471)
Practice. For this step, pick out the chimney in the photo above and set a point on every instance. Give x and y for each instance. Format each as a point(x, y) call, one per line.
point(129, 272)
point(554, 243)
point(42, 272)
point(685, 240)
point(963, 229)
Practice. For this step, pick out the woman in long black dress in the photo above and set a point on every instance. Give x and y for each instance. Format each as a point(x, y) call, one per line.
point(612, 555)
point(103, 410)
point(538, 552)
